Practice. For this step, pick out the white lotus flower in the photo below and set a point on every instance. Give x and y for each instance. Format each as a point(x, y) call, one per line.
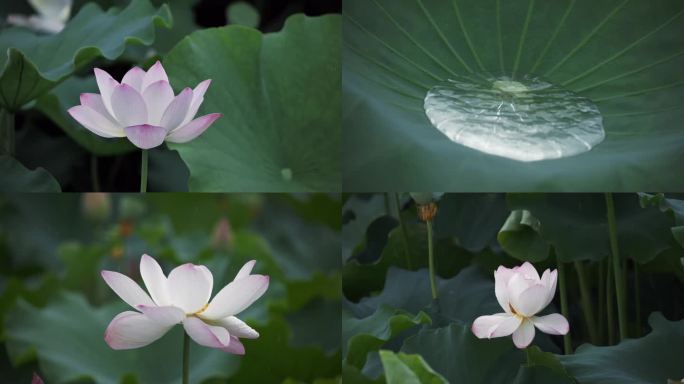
point(143, 108)
point(183, 297)
point(522, 294)
point(51, 18)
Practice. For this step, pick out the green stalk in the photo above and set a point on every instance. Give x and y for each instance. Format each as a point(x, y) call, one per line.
point(93, 173)
point(587, 308)
point(602, 301)
point(617, 270)
point(431, 259)
point(609, 302)
point(404, 233)
point(637, 298)
point(143, 172)
point(567, 343)
point(6, 133)
point(186, 358)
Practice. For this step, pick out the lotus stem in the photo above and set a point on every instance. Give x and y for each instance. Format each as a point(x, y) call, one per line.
point(617, 268)
point(587, 308)
point(567, 342)
point(143, 172)
point(602, 301)
point(637, 298)
point(404, 233)
point(93, 173)
point(431, 259)
point(609, 302)
point(6, 133)
point(186, 358)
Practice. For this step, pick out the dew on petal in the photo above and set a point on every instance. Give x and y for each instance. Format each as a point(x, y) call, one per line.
point(526, 119)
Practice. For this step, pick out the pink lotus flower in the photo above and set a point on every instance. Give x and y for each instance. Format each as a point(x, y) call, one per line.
point(183, 297)
point(522, 294)
point(143, 108)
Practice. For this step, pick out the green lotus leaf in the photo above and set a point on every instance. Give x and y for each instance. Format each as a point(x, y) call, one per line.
point(654, 358)
point(643, 232)
point(394, 52)
point(34, 64)
point(401, 368)
point(14, 177)
point(66, 336)
point(520, 238)
point(280, 97)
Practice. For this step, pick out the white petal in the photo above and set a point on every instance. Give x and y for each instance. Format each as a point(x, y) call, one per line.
point(554, 324)
point(205, 334)
point(237, 327)
point(127, 289)
point(94, 122)
point(106, 85)
point(134, 78)
point(501, 324)
point(154, 74)
point(190, 287)
point(94, 101)
point(166, 316)
point(524, 335)
point(531, 300)
point(197, 99)
point(158, 96)
point(130, 330)
point(175, 112)
point(501, 277)
point(245, 270)
point(528, 271)
point(516, 286)
point(549, 280)
point(154, 279)
point(128, 106)
point(236, 296)
point(235, 347)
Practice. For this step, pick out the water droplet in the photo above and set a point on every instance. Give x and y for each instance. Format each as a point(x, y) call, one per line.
point(286, 173)
point(527, 119)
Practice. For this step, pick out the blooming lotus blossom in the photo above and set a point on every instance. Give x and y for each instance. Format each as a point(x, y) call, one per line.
point(143, 108)
point(51, 18)
point(183, 298)
point(522, 294)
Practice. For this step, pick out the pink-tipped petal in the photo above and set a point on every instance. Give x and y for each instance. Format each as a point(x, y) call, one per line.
point(134, 78)
point(197, 99)
point(154, 279)
point(106, 85)
point(127, 289)
point(190, 287)
point(158, 96)
point(175, 112)
point(235, 347)
point(524, 335)
point(501, 277)
point(501, 324)
point(154, 74)
point(237, 327)
point(130, 330)
point(192, 129)
point(245, 270)
point(128, 106)
point(166, 316)
point(94, 122)
point(531, 300)
point(94, 102)
point(207, 335)
point(145, 136)
point(554, 324)
point(236, 296)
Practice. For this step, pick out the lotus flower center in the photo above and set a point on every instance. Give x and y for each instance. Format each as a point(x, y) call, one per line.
point(204, 308)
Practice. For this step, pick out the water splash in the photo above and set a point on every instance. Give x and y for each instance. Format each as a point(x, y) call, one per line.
point(526, 119)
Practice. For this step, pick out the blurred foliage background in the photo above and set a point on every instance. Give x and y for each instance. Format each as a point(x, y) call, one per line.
point(54, 306)
point(48, 138)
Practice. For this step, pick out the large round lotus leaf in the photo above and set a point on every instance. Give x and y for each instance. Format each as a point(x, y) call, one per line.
point(280, 98)
point(654, 358)
point(32, 64)
point(625, 56)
